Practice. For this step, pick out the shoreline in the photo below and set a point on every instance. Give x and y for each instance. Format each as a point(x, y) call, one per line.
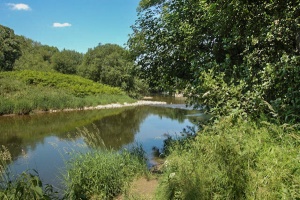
point(112, 105)
point(105, 106)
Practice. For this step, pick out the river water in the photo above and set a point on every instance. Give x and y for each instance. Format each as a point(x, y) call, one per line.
point(44, 141)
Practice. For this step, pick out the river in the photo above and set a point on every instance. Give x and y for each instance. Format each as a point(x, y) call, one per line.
point(44, 142)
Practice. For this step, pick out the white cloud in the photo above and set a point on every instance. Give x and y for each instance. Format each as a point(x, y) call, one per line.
point(19, 6)
point(61, 25)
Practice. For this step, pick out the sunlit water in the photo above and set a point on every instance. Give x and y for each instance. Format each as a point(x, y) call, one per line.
point(44, 142)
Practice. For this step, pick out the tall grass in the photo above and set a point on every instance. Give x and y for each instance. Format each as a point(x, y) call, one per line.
point(234, 160)
point(95, 172)
point(101, 174)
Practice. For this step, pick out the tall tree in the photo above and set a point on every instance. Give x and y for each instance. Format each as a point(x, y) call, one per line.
point(9, 48)
point(246, 49)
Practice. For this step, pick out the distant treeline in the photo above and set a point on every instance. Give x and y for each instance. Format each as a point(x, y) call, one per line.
point(108, 64)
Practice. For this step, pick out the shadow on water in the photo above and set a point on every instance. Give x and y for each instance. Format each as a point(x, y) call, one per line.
point(40, 141)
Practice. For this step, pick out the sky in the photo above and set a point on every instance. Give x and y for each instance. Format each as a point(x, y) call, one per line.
point(71, 24)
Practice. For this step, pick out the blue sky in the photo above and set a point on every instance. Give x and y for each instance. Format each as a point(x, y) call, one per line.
point(70, 24)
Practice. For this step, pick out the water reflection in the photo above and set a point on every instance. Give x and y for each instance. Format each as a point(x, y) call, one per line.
point(41, 141)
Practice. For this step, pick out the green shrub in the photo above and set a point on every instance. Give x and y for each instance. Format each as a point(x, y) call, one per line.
point(27, 186)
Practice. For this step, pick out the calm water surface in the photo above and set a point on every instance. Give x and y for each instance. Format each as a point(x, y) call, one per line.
point(44, 141)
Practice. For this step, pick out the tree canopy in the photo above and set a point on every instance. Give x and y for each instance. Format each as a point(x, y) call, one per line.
point(9, 49)
point(228, 55)
point(66, 61)
point(110, 64)
point(35, 56)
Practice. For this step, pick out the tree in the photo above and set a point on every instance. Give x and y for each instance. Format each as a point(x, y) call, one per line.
point(66, 61)
point(111, 65)
point(35, 56)
point(9, 49)
point(248, 50)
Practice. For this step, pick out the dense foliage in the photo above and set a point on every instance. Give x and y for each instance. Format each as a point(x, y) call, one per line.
point(35, 56)
point(225, 54)
point(239, 60)
point(9, 48)
point(75, 84)
point(66, 61)
point(109, 64)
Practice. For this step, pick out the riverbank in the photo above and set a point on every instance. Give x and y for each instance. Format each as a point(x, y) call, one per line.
point(113, 105)
point(106, 106)
point(26, 92)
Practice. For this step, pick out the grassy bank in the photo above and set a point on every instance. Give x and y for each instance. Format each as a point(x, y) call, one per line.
point(22, 92)
point(234, 160)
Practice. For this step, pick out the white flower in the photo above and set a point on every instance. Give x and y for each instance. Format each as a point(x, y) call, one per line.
point(172, 175)
point(166, 163)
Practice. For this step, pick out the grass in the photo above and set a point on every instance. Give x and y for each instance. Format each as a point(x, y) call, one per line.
point(102, 174)
point(234, 160)
point(22, 92)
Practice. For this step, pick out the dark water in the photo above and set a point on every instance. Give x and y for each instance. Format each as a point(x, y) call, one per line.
point(44, 141)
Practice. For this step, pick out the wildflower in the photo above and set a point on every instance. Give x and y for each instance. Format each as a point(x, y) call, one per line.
point(172, 175)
